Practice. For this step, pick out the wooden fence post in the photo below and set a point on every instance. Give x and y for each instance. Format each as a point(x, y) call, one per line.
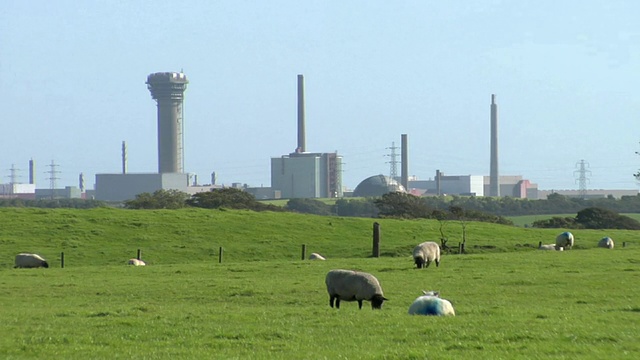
point(62, 260)
point(624, 244)
point(376, 240)
point(139, 257)
point(304, 251)
point(220, 255)
point(539, 244)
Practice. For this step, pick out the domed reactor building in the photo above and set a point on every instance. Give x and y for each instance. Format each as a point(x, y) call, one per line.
point(377, 185)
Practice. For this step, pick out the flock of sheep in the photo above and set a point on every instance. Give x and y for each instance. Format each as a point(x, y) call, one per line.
point(566, 241)
point(349, 285)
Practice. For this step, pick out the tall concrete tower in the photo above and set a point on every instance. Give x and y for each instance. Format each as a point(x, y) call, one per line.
point(167, 88)
point(494, 179)
point(302, 146)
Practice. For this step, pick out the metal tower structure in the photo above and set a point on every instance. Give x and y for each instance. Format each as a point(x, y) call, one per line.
point(582, 177)
point(13, 174)
point(393, 169)
point(52, 178)
point(167, 88)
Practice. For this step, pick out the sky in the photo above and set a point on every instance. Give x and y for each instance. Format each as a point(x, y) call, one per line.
point(565, 75)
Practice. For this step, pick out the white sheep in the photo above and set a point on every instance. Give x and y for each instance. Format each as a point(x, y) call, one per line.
point(564, 240)
point(431, 304)
point(316, 256)
point(27, 260)
point(348, 285)
point(547, 247)
point(136, 262)
point(425, 253)
point(606, 242)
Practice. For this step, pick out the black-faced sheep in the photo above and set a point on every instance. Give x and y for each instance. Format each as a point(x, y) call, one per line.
point(606, 242)
point(136, 262)
point(348, 285)
point(431, 304)
point(425, 253)
point(564, 240)
point(316, 256)
point(27, 260)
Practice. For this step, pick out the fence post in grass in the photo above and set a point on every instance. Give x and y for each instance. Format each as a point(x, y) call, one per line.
point(539, 244)
point(62, 260)
point(220, 252)
point(376, 239)
point(304, 251)
point(139, 255)
point(624, 244)
point(459, 248)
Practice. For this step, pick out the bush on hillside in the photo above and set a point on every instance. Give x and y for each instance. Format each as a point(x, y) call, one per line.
point(598, 218)
point(309, 206)
point(230, 198)
point(160, 199)
point(356, 207)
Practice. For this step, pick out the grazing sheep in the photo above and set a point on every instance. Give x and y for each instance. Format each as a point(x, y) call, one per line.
point(431, 304)
point(347, 285)
point(564, 240)
point(547, 247)
point(606, 242)
point(316, 256)
point(425, 253)
point(26, 260)
point(136, 262)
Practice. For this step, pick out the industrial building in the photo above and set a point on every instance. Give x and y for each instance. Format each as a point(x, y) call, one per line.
point(167, 89)
point(306, 175)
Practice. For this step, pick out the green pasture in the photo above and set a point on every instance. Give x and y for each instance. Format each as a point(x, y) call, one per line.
point(263, 302)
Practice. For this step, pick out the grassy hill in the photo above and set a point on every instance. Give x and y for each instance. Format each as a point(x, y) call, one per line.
point(263, 302)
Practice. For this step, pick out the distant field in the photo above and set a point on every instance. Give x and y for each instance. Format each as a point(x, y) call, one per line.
point(529, 219)
point(263, 302)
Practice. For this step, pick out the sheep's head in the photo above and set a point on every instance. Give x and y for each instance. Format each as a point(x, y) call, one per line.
point(376, 301)
point(45, 264)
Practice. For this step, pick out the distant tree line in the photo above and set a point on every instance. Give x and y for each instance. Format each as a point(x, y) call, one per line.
point(52, 203)
point(591, 218)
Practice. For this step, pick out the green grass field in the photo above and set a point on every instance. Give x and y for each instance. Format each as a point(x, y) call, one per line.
point(263, 302)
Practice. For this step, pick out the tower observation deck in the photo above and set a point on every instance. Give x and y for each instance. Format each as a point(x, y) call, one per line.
point(167, 88)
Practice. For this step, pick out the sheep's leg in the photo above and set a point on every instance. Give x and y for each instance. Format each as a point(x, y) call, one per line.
point(437, 263)
point(360, 304)
point(427, 264)
point(337, 302)
point(331, 299)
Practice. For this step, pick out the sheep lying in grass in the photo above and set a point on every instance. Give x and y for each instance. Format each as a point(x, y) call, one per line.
point(27, 260)
point(431, 304)
point(606, 242)
point(425, 253)
point(316, 256)
point(136, 262)
point(547, 247)
point(348, 285)
point(564, 240)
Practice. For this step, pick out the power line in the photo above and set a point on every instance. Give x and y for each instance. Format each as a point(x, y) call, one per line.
point(393, 170)
point(52, 178)
point(582, 178)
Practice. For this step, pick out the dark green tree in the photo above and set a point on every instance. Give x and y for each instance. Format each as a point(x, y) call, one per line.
point(160, 199)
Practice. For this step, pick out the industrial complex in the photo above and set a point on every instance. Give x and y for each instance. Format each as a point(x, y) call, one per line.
point(299, 174)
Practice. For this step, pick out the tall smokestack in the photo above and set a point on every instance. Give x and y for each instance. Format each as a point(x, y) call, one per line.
point(124, 157)
point(167, 88)
point(81, 183)
point(32, 172)
point(302, 147)
point(404, 172)
point(494, 179)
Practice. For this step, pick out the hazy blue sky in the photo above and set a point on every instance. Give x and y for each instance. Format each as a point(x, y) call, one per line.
point(566, 75)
